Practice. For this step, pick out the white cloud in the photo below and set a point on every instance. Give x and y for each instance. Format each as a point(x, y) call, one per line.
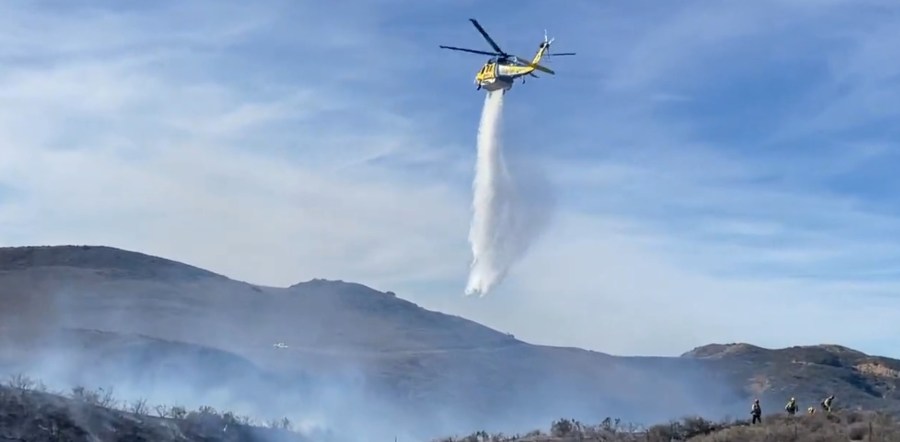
point(121, 151)
point(275, 145)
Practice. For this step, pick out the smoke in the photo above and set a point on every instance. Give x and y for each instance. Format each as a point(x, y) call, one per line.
point(208, 342)
point(509, 212)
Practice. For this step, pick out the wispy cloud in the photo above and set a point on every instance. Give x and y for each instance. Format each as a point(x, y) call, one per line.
point(124, 150)
point(720, 167)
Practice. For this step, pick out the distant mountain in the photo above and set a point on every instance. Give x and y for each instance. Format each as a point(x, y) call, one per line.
point(347, 356)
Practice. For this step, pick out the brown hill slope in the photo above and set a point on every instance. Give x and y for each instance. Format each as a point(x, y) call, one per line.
point(808, 373)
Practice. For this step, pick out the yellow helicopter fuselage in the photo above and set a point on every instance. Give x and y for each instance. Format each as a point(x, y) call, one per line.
point(494, 75)
point(501, 71)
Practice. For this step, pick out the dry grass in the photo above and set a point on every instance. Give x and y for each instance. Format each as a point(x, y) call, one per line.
point(30, 413)
point(840, 426)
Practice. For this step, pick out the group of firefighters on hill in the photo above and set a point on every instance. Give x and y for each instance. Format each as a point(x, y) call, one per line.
point(791, 408)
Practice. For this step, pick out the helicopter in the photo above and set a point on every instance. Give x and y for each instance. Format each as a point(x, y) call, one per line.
point(502, 69)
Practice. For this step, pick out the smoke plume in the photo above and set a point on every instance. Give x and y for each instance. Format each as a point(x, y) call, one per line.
point(504, 222)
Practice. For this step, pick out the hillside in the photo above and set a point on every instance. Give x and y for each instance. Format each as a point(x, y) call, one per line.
point(358, 358)
point(808, 373)
point(29, 414)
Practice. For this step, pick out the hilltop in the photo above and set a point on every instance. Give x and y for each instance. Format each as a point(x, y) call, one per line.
point(106, 260)
point(356, 357)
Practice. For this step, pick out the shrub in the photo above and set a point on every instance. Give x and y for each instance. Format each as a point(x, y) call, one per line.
point(177, 413)
point(21, 382)
point(695, 426)
point(858, 431)
point(280, 424)
point(101, 398)
point(139, 407)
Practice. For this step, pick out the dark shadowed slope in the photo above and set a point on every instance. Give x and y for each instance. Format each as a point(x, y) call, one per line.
point(89, 357)
point(370, 355)
point(110, 289)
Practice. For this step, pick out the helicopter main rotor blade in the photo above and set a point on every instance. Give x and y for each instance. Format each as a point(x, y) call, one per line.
point(474, 51)
point(487, 37)
point(562, 53)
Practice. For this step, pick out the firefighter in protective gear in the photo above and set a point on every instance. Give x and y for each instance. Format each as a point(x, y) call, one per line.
point(791, 407)
point(756, 412)
point(811, 410)
point(826, 404)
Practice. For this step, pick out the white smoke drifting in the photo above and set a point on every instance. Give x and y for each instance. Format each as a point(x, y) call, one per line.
point(506, 218)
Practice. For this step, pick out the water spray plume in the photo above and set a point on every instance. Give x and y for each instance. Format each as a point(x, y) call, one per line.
point(503, 225)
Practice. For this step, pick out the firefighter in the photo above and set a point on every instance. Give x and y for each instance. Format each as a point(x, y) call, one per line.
point(756, 412)
point(826, 404)
point(791, 407)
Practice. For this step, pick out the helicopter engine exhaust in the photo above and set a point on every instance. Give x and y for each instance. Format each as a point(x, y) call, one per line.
point(508, 214)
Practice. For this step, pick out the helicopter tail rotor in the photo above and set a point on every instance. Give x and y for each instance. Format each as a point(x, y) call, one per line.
point(548, 42)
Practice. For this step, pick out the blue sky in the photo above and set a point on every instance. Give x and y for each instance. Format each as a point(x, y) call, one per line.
point(723, 170)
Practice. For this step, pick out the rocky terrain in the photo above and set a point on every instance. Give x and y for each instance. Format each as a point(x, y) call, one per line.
point(333, 354)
